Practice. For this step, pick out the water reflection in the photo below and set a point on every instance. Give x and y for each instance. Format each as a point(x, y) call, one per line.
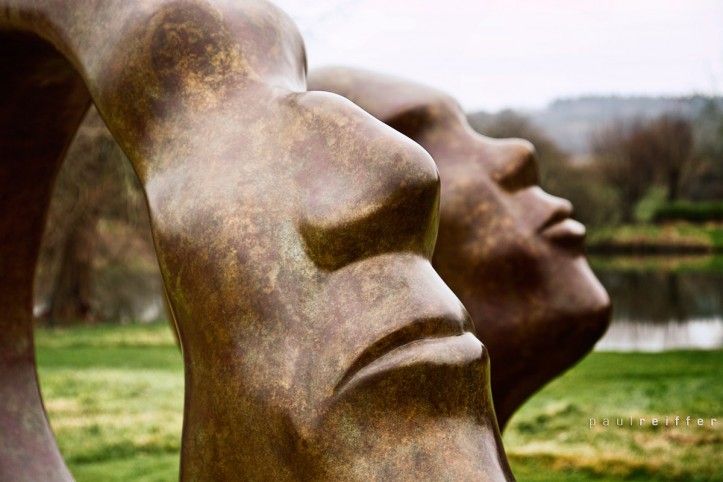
point(663, 309)
point(624, 335)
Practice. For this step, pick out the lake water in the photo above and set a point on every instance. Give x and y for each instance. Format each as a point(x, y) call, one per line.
point(664, 308)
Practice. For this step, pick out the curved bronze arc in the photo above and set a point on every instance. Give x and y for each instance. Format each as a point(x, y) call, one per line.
point(294, 234)
point(43, 101)
point(510, 251)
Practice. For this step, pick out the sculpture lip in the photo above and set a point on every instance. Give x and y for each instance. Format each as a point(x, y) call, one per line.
point(561, 229)
point(452, 350)
point(425, 330)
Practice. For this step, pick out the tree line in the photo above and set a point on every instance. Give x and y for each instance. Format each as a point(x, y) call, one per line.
point(634, 166)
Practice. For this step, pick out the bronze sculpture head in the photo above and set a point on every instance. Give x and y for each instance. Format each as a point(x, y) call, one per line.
point(511, 252)
point(294, 234)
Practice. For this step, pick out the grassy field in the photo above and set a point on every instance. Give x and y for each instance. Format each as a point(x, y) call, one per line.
point(114, 395)
point(552, 431)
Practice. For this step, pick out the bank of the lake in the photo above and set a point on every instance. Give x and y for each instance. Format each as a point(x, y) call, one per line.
point(671, 238)
point(114, 395)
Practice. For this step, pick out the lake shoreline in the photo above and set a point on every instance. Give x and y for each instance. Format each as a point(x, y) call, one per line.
point(652, 239)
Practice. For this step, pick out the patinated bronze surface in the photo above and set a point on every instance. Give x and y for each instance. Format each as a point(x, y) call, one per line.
point(294, 233)
point(510, 251)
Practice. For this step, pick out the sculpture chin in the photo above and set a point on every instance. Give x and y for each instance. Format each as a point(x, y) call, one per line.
point(422, 411)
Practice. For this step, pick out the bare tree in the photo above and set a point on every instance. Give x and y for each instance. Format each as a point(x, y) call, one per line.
point(638, 155)
point(671, 138)
point(622, 162)
point(95, 186)
point(704, 180)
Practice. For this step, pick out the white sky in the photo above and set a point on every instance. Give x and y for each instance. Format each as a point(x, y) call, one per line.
point(492, 54)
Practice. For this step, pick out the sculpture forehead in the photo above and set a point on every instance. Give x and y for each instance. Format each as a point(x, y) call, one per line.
point(385, 96)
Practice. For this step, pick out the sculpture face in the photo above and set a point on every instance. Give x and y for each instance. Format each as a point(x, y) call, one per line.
point(294, 237)
point(301, 284)
point(510, 251)
point(515, 258)
point(294, 233)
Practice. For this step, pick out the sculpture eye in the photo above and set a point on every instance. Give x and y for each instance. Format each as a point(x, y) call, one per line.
point(405, 219)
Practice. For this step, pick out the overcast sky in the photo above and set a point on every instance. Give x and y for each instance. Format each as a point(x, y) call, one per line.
point(492, 54)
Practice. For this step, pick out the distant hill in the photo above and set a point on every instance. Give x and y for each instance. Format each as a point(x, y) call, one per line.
point(569, 122)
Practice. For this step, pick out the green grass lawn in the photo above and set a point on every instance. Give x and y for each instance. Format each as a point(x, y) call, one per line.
point(114, 395)
point(550, 437)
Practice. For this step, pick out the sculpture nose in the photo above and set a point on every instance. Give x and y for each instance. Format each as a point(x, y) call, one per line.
point(513, 166)
point(540, 210)
point(560, 208)
point(386, 200)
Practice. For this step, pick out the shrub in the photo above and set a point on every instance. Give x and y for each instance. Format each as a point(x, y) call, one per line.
point(687, 211)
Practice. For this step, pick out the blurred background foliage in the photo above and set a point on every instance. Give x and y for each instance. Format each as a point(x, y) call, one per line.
point(97, 261)
point(625, 160)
